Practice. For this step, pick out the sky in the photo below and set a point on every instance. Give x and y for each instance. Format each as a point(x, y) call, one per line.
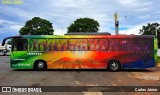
point(132, 14)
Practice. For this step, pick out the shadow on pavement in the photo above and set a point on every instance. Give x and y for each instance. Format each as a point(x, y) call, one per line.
point(91, 70)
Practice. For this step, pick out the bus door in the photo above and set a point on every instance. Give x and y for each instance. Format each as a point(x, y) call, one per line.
point(19, 57)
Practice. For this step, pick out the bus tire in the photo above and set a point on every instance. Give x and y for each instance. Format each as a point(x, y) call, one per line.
point(40, 65)
point(114, 65)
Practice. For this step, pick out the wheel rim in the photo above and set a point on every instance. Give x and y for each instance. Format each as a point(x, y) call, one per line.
point(114, 65)
point(40, 65)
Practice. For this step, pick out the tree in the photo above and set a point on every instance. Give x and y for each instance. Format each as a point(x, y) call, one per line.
point(84, 25)
point(37, 26)
point(150, 29)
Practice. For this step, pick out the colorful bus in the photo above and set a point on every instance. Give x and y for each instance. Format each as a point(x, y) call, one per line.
point(113, 52)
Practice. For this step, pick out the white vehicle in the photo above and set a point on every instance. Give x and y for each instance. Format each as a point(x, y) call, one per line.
point(5, 50)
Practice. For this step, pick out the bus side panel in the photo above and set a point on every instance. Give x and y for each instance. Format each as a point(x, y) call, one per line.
point(132, 56)
point(37, 49)
point(143, 53)
point(75, 60)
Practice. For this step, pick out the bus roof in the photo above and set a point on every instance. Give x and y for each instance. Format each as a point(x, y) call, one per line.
point(77, 36)
point(88, 33)
point(87, 36)
point(83, 36)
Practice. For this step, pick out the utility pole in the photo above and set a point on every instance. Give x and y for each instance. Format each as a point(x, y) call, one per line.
point(116, 23)
point(62, 30)
point(126, 24)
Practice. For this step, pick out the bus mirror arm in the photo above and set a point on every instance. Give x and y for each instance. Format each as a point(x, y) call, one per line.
point(4, 42)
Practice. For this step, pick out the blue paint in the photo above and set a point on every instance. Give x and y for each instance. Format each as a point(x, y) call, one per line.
point(147, 63)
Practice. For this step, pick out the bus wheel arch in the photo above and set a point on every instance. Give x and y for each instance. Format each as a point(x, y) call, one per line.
point(114, 65)
point(40, 65)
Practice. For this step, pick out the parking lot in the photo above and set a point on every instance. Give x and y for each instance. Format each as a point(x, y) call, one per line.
point(10, 77)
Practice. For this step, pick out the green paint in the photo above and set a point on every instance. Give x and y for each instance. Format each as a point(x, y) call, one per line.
point(155, 48)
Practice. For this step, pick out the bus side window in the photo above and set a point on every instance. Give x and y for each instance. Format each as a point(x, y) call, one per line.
point(30, 44)
point(42, 45)
point(33, 45)
point(78, 44)
point(20, 45)
point(113, 44)
point(120, 45)
point(49, 45)
point(37, 45)
point(57, 45)
point(104, 46)
point(98, 44)
point(62, 44)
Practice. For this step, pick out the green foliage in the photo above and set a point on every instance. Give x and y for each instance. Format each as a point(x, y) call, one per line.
point(150, 29)
point(37, 26)
point(158, 59)
point(84, 25)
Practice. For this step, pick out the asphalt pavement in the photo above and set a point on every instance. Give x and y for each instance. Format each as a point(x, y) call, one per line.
point(10, 77)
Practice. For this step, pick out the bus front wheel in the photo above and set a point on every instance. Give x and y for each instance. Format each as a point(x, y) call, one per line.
point(40, 65)
point(114, 65)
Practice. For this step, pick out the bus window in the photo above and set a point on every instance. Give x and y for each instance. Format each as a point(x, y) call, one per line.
point(42, 45)
point(78, 44)
point(137, 45)
point(98, 44)
point(20, 45)
point(33, 44)
point(37, 45)
point(57, 44)
point(63, 44)
point(147, 46)
point(119, 44)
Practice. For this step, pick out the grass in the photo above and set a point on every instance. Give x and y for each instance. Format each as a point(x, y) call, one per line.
point(158, 59)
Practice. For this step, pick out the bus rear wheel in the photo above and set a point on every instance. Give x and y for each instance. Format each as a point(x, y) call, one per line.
point(114, 65)
point(40, 65)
